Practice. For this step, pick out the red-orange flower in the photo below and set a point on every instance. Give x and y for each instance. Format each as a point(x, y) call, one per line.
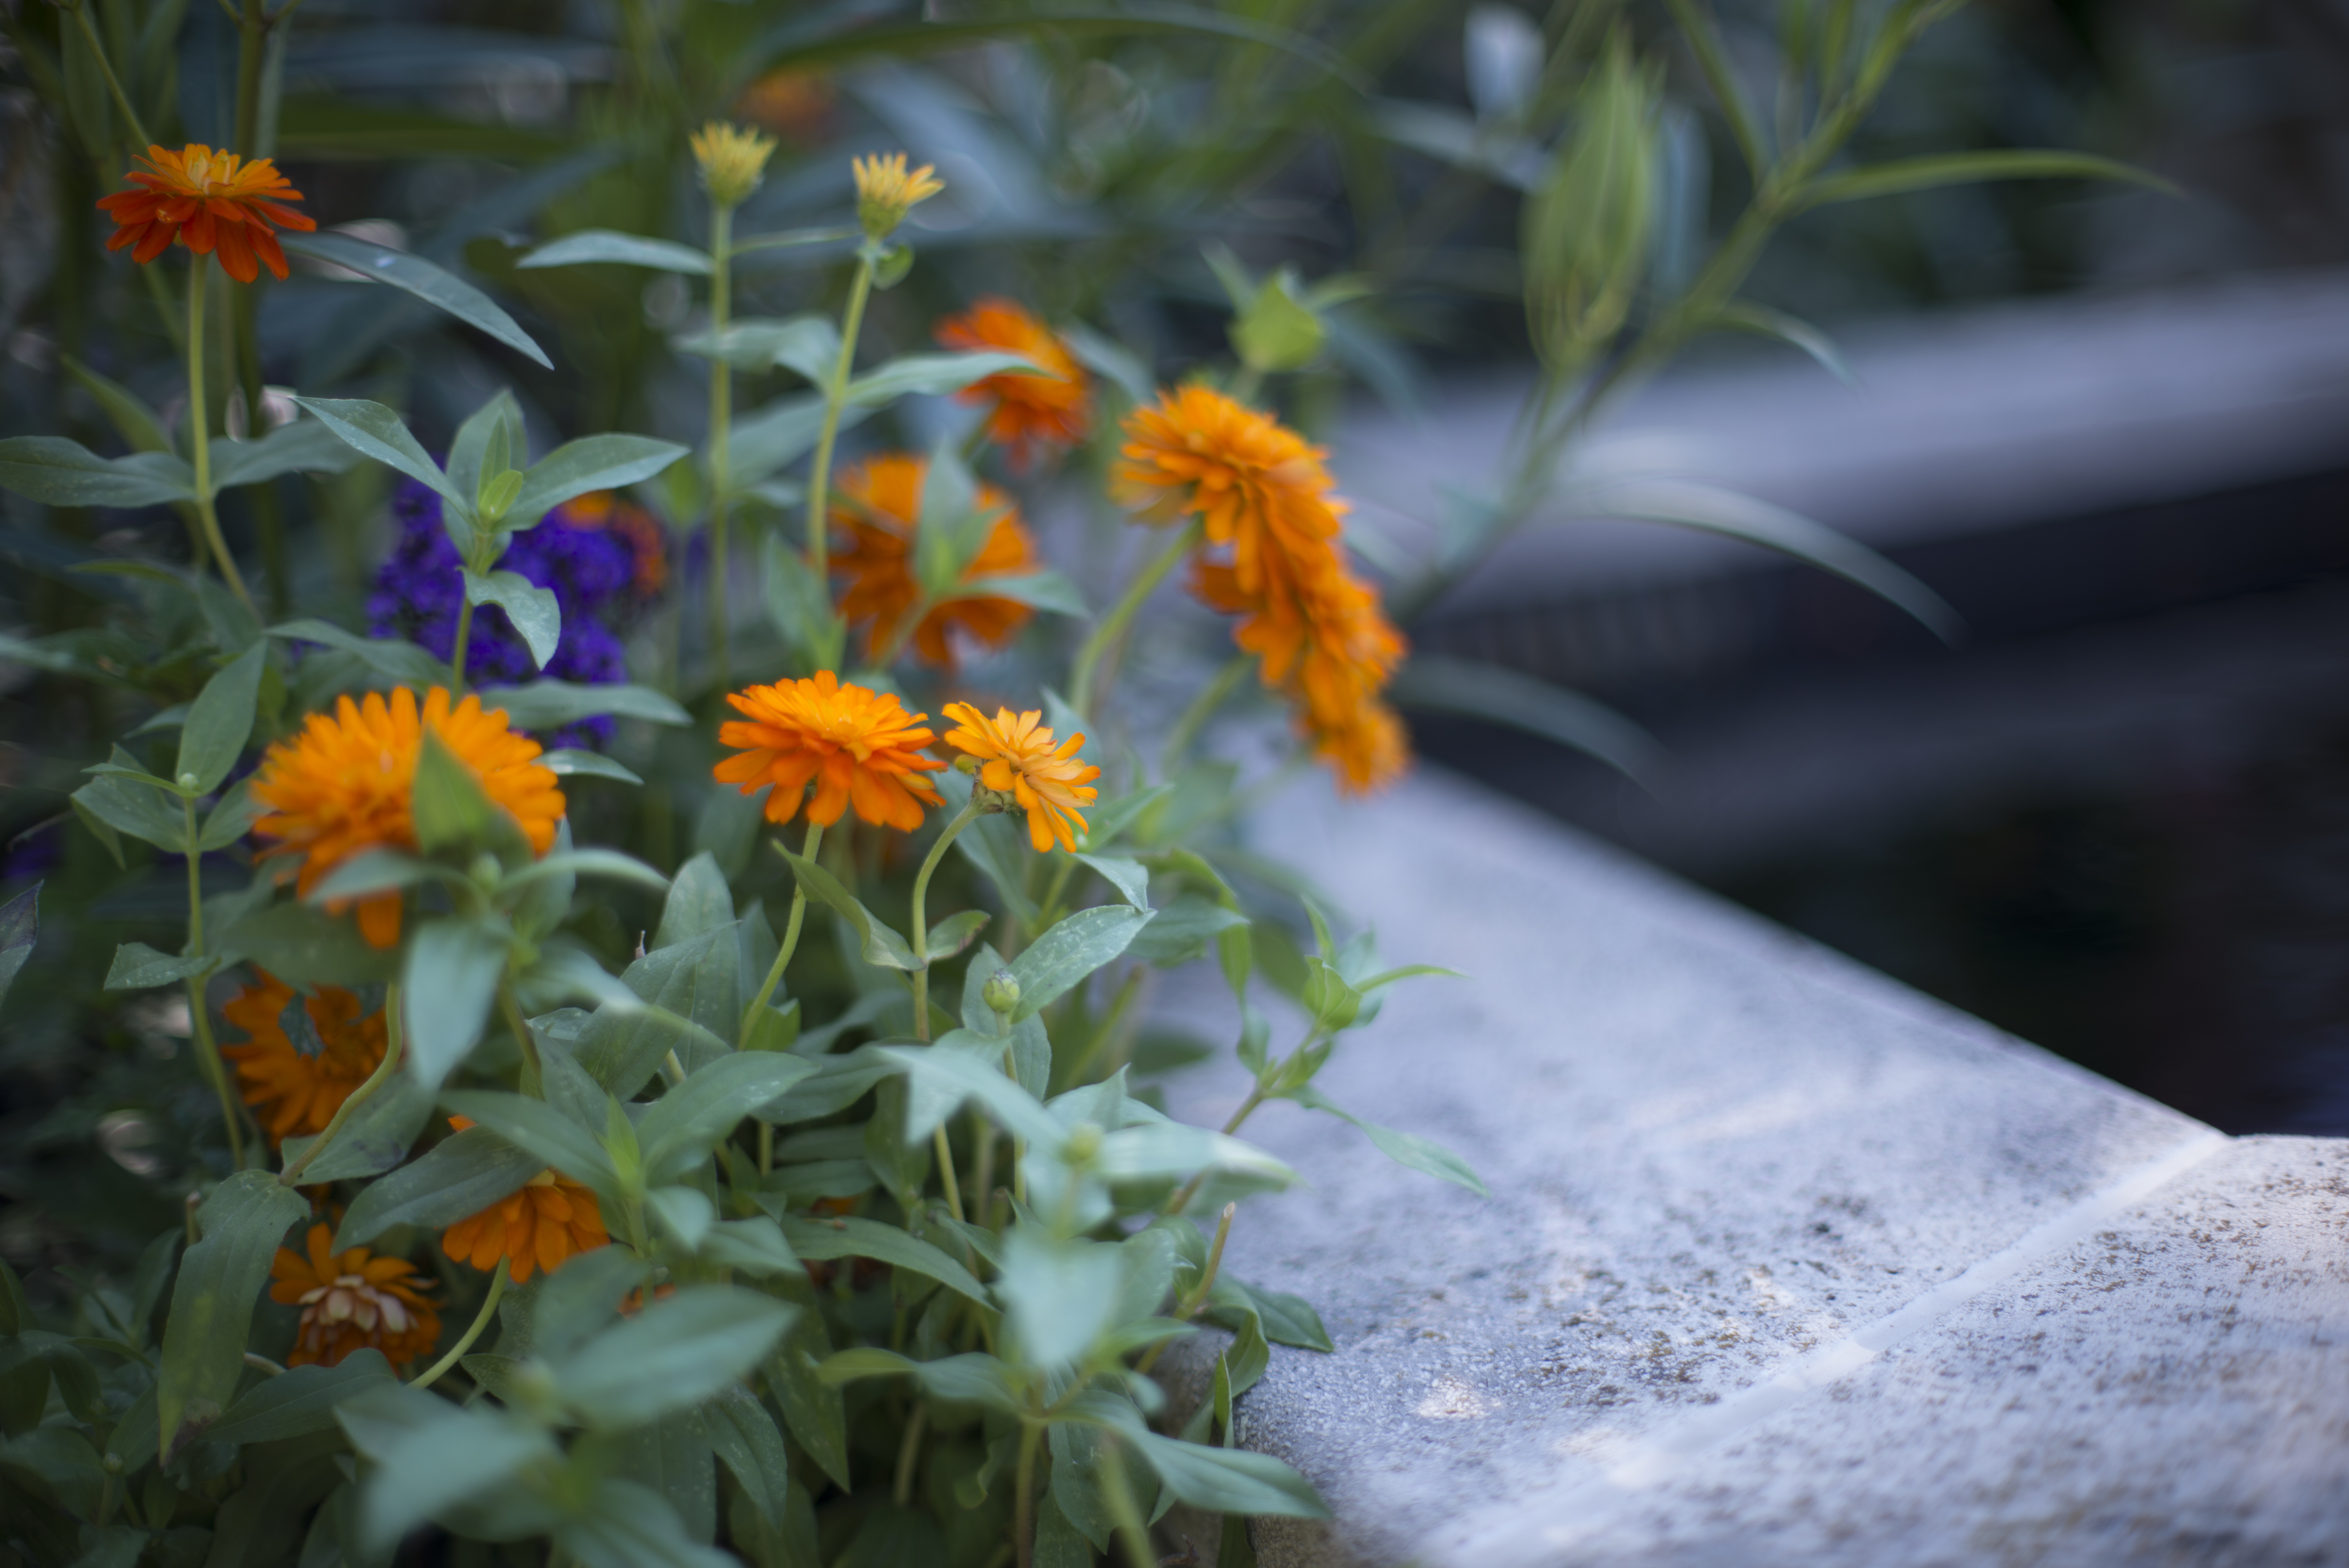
point(882, 500)
point(1030, 410)
point(303, 1086)
point(858, 746)
point(1018, 758)
point(1275, 558)
point(342, 786)
point(550, 1218)
point(351, 1301)
point(207, 201)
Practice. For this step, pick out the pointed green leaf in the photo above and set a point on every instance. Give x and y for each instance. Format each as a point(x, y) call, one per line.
point(532, 610)
point(1967, 168)
point(55, 472)
point(378, 432)
point(220, 722)
point(879, 944)
point(1060, 959)
point(609, 246)
point(455, 965)
point(822, 1239)
point(436, 287)
point(306, 446)
point(139, 967)
point(221, 1278)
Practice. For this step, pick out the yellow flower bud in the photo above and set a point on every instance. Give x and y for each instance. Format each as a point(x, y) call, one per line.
point(885, 192)
point(733, 159)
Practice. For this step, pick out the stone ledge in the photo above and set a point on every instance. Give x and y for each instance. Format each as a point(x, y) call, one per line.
point(1771, 1238)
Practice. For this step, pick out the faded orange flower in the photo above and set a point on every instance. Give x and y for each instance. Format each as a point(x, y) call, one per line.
point(1275, 557)
point(882, 500)
point(794, 104)
point(1018, 758)
point(550, 1218)
point(207, 201)
point(859, 747)
point(342, 785)
point(351, 1300)
point(1030, 411)
point(301, 1086)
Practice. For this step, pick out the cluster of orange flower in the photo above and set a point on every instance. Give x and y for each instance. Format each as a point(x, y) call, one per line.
point(1273, 556)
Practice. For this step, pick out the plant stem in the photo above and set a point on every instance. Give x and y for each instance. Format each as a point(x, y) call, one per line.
point(921, 932)
point(1203, 707)
point(460, 647)
point(836, 399)
point(1122, 1508)
point(1112, 625)
point(357, 1097)
point(909, 1450)
point(1197, 1296)
point(1023, 1503)
point(105, 70)
point(533, 1081)
point(945, 1151)
point(791, 943)
point(200, 430)
point(200, 1023)
point(721, 424)
point(481, 1321)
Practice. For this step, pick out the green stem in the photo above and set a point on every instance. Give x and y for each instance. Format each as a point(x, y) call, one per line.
point(457, 649)
point(721, 424)
point(481, 1321)
point(921, 932)
point(1196, 1297)
point(1023, 1504)
point(113, 83)
point(533, 1082)
point(1203, 707)
point(791, 944)
point(835, 399)
point(357, 1097)
point(200, 1023)
point(200, 430)
point(908, 1452)
point(945, 1151)
point(1122, 1509)
point(1112, 625)
point(1123, 1002)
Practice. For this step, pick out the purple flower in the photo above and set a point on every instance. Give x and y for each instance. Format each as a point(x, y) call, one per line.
point(592, 569)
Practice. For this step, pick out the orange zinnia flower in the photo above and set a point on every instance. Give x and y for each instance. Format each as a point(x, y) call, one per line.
point(859, 746)
point(342, 786)
point(1018, 758)
point(304, 1086)
point(549, 1218)
point(207, 201)
point(1030, 410)
point(352, 1301)
point(884, 500)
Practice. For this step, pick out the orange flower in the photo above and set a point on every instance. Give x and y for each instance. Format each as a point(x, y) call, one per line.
point(304, 1083)
point(1275, 558)
point(549, 1218)
point(1018, 759)
point(1052, 409)
point(207, 201)
point(351, 1302)
point(884, 498)
point(859, 746)
point(796, 104)
point(342, 786)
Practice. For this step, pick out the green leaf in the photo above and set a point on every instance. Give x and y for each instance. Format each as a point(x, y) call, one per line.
point(1112, 360)
point(378, 432)
point(822, 1240)
point(1183, 930)
point(403, 664)
point(303, 447)
point(136, 808)
point(1286, 1319)
point(301, 1400)
point(813, 1409)
point(879, 944)
point(1441, 683)
point(140, 425)
point(685, 1124)
point(1745, 315)
point(1129, 878)
point(568, 764)
point(949, 529)
point(435, 287)
point(808, 345)
point(220, 722)
point(452, 812)
point(755, 1246)
point(1058, 1296)
point(1277, 331)
point(952, 934)
point(1402, 1147)
point(430, 1455)
point(593, 463)
point(779, 435)
point(211, 1305)
point(698, 902)
point(1966, 168)
point(1060, 958)
point(375, 1138)
point(231, 816)
point(532, 610)
point(487, 444)
point(796, 603)
point(999, 851)
point(458, 1178)
point(139, 967)
point(624, 250)
point(1227, 1481)
point(539, 1129)
point(962, 1065)
point(59, 472)
point(609, 864)
point(551, 705)
point(301, 946)
point(744, 1438)
point(970, 1378)
point(455, 965)
point(20, 928)
point(933, 375)
point(674, 1354)
point(693, 995)
point(1713, 511)
point(1043, 589)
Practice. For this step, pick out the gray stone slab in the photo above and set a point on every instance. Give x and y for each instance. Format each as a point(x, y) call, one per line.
point(1772, 1243)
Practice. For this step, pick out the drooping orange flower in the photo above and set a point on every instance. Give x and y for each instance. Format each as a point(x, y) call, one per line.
point(207, 201)
point(860, 747)
point(342, 786)
point(351, 1301)
point(883, 498)
point(1274, 556)
point(1018, 758)
point(1030, 411)
point(549, 1218)
point(301, 1084)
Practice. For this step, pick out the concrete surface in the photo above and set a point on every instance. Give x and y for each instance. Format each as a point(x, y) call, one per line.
point(1784, 1263)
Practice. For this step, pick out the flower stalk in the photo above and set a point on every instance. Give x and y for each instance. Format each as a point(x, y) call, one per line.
point(836, 401)
point(465, 1341)
point(1112, 629)
point(721, 425)
point(393, 1040)
point(808, 846)
point(200, 1023)
point(200, 431)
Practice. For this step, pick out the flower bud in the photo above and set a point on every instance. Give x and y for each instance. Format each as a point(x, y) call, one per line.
point(1084, 1143)
point(885, 193)
point(733, 159)
point(1001, 992)
point(1590, 227)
